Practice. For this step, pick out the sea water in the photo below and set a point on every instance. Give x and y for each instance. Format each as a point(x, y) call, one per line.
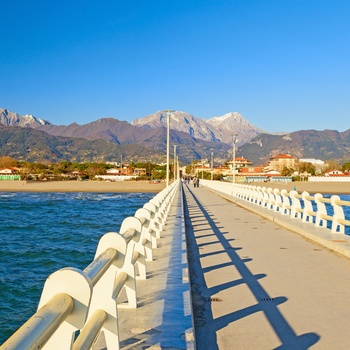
point(41, 233)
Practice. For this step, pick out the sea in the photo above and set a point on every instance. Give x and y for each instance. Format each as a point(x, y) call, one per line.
point(41, 233)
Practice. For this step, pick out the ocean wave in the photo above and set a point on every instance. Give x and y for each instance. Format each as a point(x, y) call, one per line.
point(43, 232)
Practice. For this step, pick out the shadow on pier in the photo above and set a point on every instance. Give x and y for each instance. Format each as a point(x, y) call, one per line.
point(232, 308)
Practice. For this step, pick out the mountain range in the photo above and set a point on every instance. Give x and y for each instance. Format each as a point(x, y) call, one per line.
point(145, 139)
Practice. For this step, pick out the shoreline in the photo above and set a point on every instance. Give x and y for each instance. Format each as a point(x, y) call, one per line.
point(80, 186)
point(146, 186)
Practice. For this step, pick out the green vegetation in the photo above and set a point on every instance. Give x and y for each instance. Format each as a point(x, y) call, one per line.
point(346, 166)
point(66, 170)
point(207, 175)
point(307, 167)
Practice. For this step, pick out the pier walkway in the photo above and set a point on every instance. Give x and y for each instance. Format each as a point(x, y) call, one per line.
point(230, 275)
point(257, 285)
point(163, 317)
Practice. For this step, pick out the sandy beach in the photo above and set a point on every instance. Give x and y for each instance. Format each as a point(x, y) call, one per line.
point(146, 186)
point(80, 186)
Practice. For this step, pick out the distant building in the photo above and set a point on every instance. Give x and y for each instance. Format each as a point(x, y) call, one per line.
point(201, 167)
point(7, 171)
point(9, 174)
point(139, 171)
point(116, 174)
point(332, 176)
point(281, 161)
point(224, 170)
point(118, 171)
point(313, 161)
point(251, 169)
point(334, 173)
point(240, 162)
point(319, 164)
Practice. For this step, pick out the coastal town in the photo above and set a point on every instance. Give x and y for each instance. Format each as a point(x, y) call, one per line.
point(280, 168)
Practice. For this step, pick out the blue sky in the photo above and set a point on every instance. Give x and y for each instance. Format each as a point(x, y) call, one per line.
point(283, 64)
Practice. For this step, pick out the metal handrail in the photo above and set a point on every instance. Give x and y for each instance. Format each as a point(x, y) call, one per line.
point(39, 329)
point(34, 333)
point(90, 332)
point(99, 266)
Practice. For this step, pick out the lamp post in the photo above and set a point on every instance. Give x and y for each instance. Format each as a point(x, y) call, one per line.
point(212, 168)
point(175, 162)
point(202, 168)
point(177, 168)
point(168, 112)
point(234, 140)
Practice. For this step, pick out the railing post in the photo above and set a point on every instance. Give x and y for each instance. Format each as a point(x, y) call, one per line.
point(271, 199)
point(148, 236)
point(155, 224)
point(321, 210)
point(296, 206)
point(286, 202)
point(307, 217)
point(102, 297)
point(278, 200)
point(76, 284)
point(129, 267)
point(265, 197)
point(255, 195)
point(338, 213)
point(159, 213)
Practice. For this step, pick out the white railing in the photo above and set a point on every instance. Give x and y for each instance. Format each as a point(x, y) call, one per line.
point(303, 206)
point(86, 301)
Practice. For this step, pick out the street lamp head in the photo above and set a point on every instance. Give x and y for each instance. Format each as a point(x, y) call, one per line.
point(234, 138)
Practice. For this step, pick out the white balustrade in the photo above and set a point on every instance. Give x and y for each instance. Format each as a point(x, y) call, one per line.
point(302, 206)
point(86, 300)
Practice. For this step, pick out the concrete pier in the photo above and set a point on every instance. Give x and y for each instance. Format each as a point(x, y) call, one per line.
point(257, 285)
point(163, 318)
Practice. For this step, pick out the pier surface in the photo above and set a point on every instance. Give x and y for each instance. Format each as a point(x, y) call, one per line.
point(257, 285)
point(254, 284)
point(228, 274)
point(163, 318)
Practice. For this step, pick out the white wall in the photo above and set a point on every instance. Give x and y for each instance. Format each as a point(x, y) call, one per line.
point(329, 179)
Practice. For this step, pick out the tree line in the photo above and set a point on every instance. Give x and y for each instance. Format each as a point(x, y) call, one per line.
point(87, 170)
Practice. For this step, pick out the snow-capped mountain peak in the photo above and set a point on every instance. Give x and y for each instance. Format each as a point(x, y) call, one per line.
point(8, 118)
point(180, 121)
point(234, 123)
point(216, 129)
point(227, 120)
point(30, 119)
